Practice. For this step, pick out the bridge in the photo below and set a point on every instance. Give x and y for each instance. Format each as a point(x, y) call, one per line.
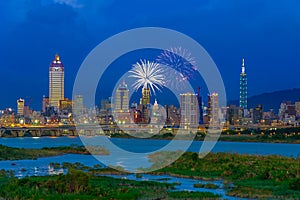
point(94, 129)
point(63, 130)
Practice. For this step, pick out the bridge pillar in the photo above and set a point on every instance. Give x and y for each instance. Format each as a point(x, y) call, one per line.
point(2, 132)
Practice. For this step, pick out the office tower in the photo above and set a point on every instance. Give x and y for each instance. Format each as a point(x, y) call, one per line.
point(122, 98)
point(56, 82)
point(234, 115)
point(145, 105)
point(145, 96)
point(199, 98)
point(45, 103)
point(78, 105)
point(213, 109)
point(122, 114)
point(257, 114)
point(189, 110)
point(20, 104)
point(155, 116)
point(243, 87)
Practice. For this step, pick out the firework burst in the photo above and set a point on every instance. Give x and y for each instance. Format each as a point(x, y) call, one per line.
point(148, 75)
point(182, 62)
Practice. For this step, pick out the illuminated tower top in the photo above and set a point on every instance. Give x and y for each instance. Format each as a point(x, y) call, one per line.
point(243, 66)
point(57, 63)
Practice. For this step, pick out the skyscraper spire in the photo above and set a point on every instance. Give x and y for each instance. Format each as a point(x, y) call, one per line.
point(243, 66)
point(57, 58)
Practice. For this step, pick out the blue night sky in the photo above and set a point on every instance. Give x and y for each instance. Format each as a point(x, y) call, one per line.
point(265, 32)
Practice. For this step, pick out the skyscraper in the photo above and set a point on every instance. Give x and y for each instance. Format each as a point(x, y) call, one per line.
point(145, 105)
point(189, 110)
point(45, 103)
point(122, 114)
point(20, 104)
point(257, 114)
point(243, 87)
point(56, 82)
point(200, 106)
point(122, 99)
point(78, 105)
point(213, 109)
point(145, 96)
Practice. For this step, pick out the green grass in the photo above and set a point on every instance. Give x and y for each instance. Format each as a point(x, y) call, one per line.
point(77, 184)
point(252, 175)
point(10, 153)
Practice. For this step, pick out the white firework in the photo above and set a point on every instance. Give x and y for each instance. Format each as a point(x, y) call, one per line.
point(148, 74)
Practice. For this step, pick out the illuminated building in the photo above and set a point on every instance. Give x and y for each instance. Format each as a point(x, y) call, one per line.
point(199, 98)
point(257, 114)
point(56, 82)
point(122, 99)
point(121, 110)
point(45, 103)
point(189, 110)
point(20, 104)
point(213, 109)
point(145, 100)
point(234, 115)
point(145, 105)
point(243, 87)
point(78, 105)
point(155, 117)
point(65, 106)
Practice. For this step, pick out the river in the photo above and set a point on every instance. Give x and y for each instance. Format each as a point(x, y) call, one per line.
point(147, 145)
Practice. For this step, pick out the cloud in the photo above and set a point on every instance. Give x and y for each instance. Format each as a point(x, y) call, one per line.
point(54, 14)
point(72, 3)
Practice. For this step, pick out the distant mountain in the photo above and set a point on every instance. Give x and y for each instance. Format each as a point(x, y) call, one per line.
point(272, 100)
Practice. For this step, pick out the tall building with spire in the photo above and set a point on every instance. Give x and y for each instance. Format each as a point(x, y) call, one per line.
point(243, 87)
point(56, 82)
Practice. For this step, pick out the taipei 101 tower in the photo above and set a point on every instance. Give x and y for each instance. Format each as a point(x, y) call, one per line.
point(243, 87)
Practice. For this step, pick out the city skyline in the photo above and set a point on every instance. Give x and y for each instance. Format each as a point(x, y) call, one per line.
point(267, 39)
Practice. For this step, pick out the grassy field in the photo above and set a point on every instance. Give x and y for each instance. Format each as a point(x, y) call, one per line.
point(10, 153)
point(77, 184)
point(252, 176)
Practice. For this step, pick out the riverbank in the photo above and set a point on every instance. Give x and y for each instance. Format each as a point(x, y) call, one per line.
point(10, 153)
point(223, 137)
